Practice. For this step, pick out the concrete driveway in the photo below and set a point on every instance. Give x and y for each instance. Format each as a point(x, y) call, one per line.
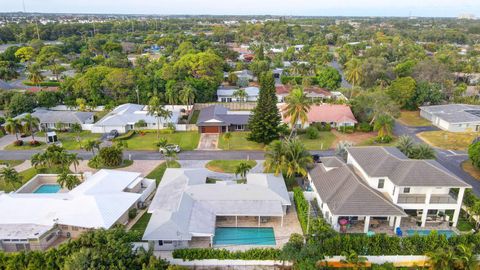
point(208, 141)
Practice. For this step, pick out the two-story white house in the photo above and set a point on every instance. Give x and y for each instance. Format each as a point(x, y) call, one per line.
point(423, 190)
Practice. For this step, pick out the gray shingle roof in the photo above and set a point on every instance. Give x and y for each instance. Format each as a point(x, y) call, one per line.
point(348, 195)
point(220, 116)
point(332, 161)
point(390, 162)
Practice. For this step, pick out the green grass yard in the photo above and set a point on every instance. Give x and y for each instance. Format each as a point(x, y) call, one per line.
point(141, 223)
point(227, 166)
point(448, 140)
point(158, 172)
point(323, 142)
point(12, 163)
point(238, 141)
point(186, 140)
point(26, 146)
point(413, 119)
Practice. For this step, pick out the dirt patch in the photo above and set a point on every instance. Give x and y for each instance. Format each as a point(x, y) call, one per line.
point(468, 167)
point(355, 138)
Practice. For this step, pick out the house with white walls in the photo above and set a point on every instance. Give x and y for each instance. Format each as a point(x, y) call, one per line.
point(380, 185)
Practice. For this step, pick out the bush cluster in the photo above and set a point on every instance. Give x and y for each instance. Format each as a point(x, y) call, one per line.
point(223, 254)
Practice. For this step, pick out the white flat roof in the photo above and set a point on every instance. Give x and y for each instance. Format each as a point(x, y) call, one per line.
point(96, 203)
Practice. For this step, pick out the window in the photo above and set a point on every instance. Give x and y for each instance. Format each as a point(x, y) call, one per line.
point(239, 127)
point(160, 242)
point(393, 192)
point(167, 242)
point(381, 183)
point(406, 190)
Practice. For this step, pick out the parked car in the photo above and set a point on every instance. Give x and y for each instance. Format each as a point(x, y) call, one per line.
point(170, 147)
point(316, 158)
point(112, 134)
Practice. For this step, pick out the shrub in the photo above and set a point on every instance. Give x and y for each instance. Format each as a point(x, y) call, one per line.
point(365, 127)
point(18, 143)
point(346, 129)
point(474, 154)
point(384, 139)
point(312, 133)
point(34, 143)
point(132, 213)
point(110, 156)
point(223, 254)
point(42, 84)
point(125, 136)
point(322, 127)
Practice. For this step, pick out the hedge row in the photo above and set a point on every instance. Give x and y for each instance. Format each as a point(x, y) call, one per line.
point(223, 254)
point(43, 84)
point(125, 136)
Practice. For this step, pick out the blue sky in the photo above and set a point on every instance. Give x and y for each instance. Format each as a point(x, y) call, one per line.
point(434, 8)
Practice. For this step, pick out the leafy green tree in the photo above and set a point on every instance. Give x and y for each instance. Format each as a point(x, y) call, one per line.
point(25, 54)
point(474, 154)
point(8, 70)
point(21, 103)
point(47, 99)
point(265, 119)
point(10, 176)
point(31, 124)
point(297, 107)
point(50, 56)
point(405, 69)
point(110, 156)
point(329, 77)
point(402, 90)
point(242, 169)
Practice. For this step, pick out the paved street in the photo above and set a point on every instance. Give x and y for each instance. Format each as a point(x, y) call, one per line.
point(449, 159)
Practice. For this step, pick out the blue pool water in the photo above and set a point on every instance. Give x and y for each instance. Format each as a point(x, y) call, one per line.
point(48, 188)
point(447, 233)
point(244, 236)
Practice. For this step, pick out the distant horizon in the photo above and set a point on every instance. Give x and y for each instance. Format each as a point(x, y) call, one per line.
point(301, 8)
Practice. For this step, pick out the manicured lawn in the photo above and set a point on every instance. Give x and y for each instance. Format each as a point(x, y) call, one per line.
point(124, 164)
point(227, 166)
point(468, 167)
point(413, 119)
point(238, 141)
point(194, 118)
point(69, 139)
point(448, 140)
point(142, 223)
point(26, 176)
point(26, 146)
point(158, 172)
point(323, 142)
point(186, 140)
point(12, 163)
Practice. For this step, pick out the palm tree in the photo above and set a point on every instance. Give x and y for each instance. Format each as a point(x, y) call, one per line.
point(157, 110)
point(170, 155)
point(242, 169)
point(31, 123)
point(227, 136)
point(68, 180)
point(354, 260)
point(187, 95)
point(171, 95)
point(274, 157)
point(91, 145)
point(296, 158)
point(13, 126)
point(353, 72)
point(73, 159)
point(38, 160)
point(406, 145)
point(441, 258)
point(384, 126)
point(10, 176)
point(465, 258)
point(35, 75)
point(298, 105)
point(76, 128)
point(241, 95)
point(423, 151)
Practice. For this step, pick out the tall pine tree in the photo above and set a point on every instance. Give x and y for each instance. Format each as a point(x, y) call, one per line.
point(265, 120)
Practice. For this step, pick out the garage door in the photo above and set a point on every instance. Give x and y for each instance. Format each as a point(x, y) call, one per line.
point(210, 129)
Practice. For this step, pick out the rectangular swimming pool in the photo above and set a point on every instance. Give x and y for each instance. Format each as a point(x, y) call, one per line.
point(48, 188)
point(244, 236)
point(447, 233)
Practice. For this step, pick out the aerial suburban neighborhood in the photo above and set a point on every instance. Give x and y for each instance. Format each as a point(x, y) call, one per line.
point(175, 142)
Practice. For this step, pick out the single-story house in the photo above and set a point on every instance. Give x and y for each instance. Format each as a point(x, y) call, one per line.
point(49, 118)
point(313, 92)
point(243, 75)
point(34, 217)
point(453, 117)
point(337, 115)
point(225, 94)
point(124, 117)
point(218, 119)
point(186, 208)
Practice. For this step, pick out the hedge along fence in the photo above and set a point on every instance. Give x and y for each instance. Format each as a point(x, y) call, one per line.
point(223, 254)
point(43, 84)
